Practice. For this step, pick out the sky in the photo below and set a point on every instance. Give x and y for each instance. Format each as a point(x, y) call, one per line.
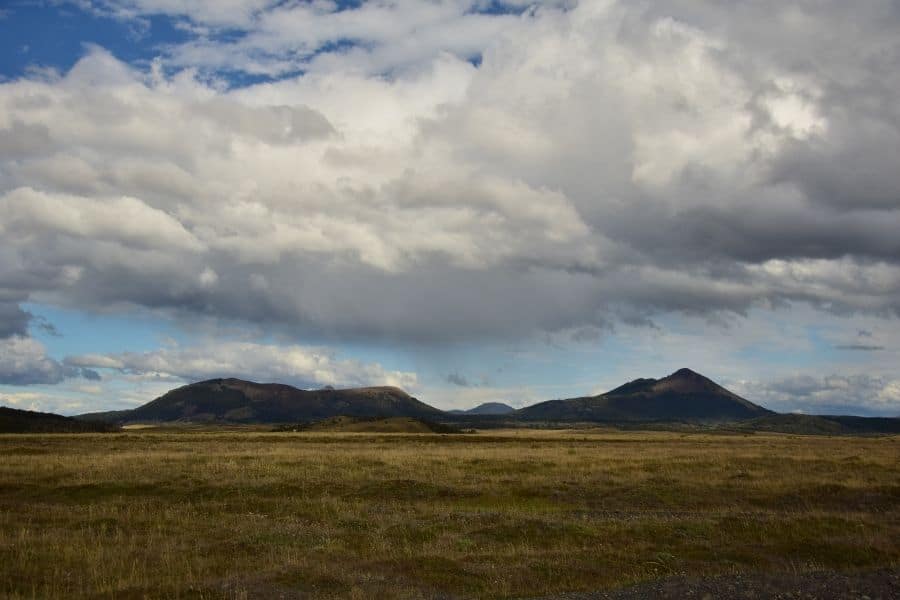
point(473, 200)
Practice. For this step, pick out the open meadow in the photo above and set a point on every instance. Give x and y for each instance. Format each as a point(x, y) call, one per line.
point(490, 515)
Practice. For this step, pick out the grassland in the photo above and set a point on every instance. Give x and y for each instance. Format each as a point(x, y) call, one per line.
point(494, 515)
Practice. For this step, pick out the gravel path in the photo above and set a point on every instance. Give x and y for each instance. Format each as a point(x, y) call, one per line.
point(875, 585)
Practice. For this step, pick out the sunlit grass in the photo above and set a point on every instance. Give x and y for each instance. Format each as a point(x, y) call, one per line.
point(506, 514)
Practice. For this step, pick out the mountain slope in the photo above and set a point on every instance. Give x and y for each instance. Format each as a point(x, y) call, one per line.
point(14, 420)
point(238, 401)
point(371, 425)
point(683, 395)
point(488, 408)
point(491, 408)
point(820, 424)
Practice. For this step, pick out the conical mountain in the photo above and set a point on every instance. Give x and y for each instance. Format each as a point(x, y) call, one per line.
point(682, 396)
point(490, 408)
point(239, 401)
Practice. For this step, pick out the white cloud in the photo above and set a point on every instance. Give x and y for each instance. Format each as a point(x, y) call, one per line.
point(832, 394)
point(24, 361)
point(611, 161)
point(125, 220)
point(298, 365)
point(272, 38)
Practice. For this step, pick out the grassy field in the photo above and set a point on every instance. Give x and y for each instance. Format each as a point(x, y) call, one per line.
point(493, 514)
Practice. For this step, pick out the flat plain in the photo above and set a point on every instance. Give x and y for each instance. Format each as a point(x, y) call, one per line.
point(502, 514)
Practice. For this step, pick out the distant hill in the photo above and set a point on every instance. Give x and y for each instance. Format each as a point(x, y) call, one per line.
point(14, 420)
point(239, 401)
point(488, 408)
point(109, 416)
point(682, 396)
point(820, 424)
point(372, 425)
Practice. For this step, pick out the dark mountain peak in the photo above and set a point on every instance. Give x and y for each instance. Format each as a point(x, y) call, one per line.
point(237, 400)
point(683, 395)
point(685, 373)
point(491, 408)
point(636, 385)
point(685, 381)
point(384, 389)
point(375, 391)
point(220, 381)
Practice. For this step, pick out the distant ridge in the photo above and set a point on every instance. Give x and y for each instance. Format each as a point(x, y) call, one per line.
point(821, 424)
point(371, 425)
point(14, 420)
point(239, 401)
point(682, 396)
point(488, 408)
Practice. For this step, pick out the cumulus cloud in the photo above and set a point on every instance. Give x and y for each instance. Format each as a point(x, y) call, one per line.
point(832, 394)
point(24, 361)
point(13, 320)
point(261, 37)
point(604, 161)
point(297, 365)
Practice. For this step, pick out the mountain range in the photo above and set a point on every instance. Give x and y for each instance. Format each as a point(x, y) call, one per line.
point(682, 397)
point(14, 420)
point(239, 401)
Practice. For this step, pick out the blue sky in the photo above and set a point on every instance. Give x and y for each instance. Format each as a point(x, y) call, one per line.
point(476, 201)
point(56, 35)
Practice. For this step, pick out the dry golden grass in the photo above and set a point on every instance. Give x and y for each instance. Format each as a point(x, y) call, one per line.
point(508, 514)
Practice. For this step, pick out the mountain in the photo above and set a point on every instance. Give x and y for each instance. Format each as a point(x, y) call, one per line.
point(371, 425)
point(488, 408)
point(14, 420)
point(820, 424)
point(238, 401)
point(682, 396)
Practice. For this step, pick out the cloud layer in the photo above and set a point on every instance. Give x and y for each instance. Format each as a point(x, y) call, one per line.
point(298, 365)
point(832, 394)
point(628, 159)
point(24, 361)
point(433, 173)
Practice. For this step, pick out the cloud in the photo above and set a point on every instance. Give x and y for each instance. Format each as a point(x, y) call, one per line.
point(833, 394)
point(604, 162)
point(260, 37)
point(298, 365)
point(13, 319)
point(860, 347)
point(24, 361)
point(458, 380)
point(217, 13)
point(124, 221)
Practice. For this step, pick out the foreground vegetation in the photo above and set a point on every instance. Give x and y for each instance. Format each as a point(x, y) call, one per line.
point(495, 514)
